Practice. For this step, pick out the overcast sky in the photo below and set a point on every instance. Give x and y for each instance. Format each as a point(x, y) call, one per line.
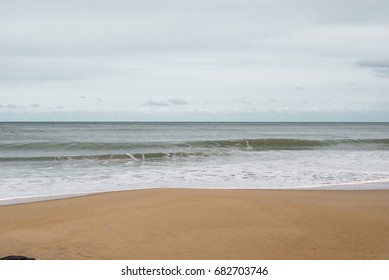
point(198, 60)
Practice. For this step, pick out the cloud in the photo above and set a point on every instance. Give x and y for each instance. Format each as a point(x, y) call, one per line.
point(35, 105)
point(244, 100)
point(381, 66)
point(172, 101)
point(145, 54)
point(156, 103)
point(178, 101)
point(11, 106)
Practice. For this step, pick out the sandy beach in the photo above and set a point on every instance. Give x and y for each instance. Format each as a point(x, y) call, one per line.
point(201, 224)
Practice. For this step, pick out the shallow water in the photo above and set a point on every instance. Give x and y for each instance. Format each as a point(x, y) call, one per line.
point(40, 160)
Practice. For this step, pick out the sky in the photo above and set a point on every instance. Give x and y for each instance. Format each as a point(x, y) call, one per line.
point(203, 60)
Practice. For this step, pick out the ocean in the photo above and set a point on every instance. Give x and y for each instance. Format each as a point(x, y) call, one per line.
point(41, 161)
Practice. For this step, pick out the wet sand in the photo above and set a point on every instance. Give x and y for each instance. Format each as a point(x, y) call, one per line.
point(201, 224)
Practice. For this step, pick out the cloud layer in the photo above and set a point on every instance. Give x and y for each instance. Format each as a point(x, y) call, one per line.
point(194, 59)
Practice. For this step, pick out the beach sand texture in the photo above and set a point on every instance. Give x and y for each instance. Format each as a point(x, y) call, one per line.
point(201, 224)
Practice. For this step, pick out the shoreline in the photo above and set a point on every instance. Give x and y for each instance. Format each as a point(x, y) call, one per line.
point(364, 186)
point(201, 224)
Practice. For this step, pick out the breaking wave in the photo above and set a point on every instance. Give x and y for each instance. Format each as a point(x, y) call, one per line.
point(46, 151)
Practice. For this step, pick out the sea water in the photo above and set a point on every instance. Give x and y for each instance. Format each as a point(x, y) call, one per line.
point(47, 160)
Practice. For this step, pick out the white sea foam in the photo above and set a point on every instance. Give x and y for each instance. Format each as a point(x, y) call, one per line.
point(243, 156)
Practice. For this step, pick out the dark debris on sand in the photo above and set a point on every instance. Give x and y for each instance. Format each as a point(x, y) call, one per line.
point(16, 258)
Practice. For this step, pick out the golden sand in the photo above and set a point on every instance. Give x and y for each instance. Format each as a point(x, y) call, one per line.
point(201, 224)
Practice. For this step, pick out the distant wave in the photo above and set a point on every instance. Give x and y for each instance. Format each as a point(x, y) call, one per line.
point(103, 157)
point(264, 143)
point(46, 151)
point(286, 144)
point(70, 146)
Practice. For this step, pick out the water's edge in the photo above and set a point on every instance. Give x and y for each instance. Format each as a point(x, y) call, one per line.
point(371, 186)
